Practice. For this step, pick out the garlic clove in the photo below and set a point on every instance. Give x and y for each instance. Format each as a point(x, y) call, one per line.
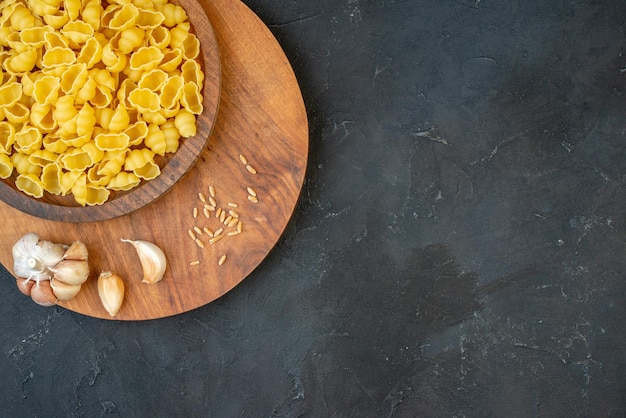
point(72, 272)
point(42, 293)
point(64, 291)
point(111, 291)
point(48, 252)
point(153, 261)
point(24, 285)
point(76, 251)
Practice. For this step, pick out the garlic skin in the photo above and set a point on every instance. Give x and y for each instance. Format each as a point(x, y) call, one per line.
point(152, 258)
point(111, 291)
point(48, 272)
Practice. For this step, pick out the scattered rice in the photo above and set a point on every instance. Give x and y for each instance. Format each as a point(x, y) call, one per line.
point(191, 234)
point(194, 263)
point(199, 243)
point(202, 197)
point(250, 169)
point(243, 159)
point(253, 199)
point(212, 191)
point(222, 260)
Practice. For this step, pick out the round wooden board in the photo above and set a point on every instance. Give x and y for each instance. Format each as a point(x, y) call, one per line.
point(262, 117)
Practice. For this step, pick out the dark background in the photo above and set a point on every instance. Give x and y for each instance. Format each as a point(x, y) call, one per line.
point(458, 249)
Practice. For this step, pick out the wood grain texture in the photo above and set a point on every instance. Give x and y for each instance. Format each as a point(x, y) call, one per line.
point(173, 165)
point(261, 116)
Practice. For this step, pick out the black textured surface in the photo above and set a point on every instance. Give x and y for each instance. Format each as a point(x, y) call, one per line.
point(458, 249)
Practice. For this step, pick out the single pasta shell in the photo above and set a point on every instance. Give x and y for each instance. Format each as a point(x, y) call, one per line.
point(111, 291)
point(64, 291)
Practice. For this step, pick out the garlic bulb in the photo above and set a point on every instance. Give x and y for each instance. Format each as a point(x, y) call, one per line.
point(48, 272)
point(152, 258)
point(111, 291)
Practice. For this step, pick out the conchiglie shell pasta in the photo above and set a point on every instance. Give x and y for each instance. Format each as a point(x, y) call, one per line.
point(159, 37)
point(42, 157)
point(75, 159)
point(124, 17)
point(30, 184)
point(148, 172)
point(7, 137)
point(90, 53)
point(153, 80)
point(51, 178)
point(171, 60)
point(138, 158)
point(191, 98)
point(21, 62)
point(91, 91)
point(96, 195)
point(144, 100)
point(58, 56)
point(112, 141)
point(145, 58)
point(46, 90)
point(137, 132)
point(10, 94)
point(149, 19)
point(155, 139)
point(6, 166)
point(171, 92)
point(123, 181)
point(35, 37)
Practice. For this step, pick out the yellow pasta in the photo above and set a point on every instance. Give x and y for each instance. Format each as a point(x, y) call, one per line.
point(30, 184)
point(148, 171)
point(53, 142)
point(191, 47)
point(28, 139)
point(51, 178)
point(6, 166)
point(112, 141)
point(92, 10)
point(21, 62)
point(123, 181)
point(96, 154)
point(90, 53)
point(10, 93)
point(46, 90)
point(96, 195)
point(129, 39)
point(64, 109)
point(124, 17)
point(86, 120)
point(171, 60)
point(145, 58)
point(91, 91)
point(42, 157)
point(138, 158)
point(144, 100)
point(35, 37)
point(185, 122)
point(58, 56)
point(173, 14)
point(155, 139)
point(75, 159)
point(7, 137)
point(191, 98)
point(136, 132)
point(172, 136)
point(68, 179)
point(171, 92)
point(160, 37)
point(153, 80)
point(16, 114)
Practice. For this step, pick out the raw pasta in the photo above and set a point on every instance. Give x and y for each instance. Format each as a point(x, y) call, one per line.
point(90, 92)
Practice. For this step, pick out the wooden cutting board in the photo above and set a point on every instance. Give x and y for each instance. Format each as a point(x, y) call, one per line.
point(261, 117)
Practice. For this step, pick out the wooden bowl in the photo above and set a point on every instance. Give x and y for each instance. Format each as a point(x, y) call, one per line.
point(173, 166)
